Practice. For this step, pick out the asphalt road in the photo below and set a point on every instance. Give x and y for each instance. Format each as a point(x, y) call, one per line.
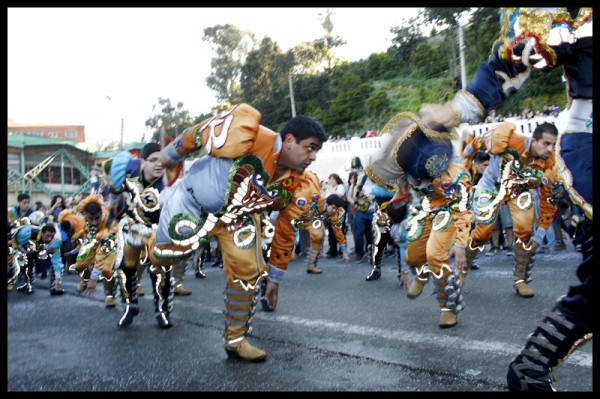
point(330, 332)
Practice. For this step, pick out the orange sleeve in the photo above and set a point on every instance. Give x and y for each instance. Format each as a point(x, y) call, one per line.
point(547, 209)
point(337, 220)
point(284, 239)
point(229, 134)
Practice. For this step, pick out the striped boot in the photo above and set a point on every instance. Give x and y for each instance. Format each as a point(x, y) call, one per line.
point(178, 276)
point(522, 270)
point(239, 311)
point(312, 258)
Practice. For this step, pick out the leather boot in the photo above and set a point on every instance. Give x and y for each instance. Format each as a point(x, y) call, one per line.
point(564, 329)
point(375, 274)
point(239, 312)
point(110, 290)
point(128, 284)
point(375, 257)
point(418, 283)
point(163, 292)
point(555, 338)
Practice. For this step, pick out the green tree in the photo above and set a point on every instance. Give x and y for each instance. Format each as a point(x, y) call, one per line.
point(231, 46)
point(446, 16)
point(378, 102)
point(405, 41)
point(349, 105)
point(426, 61)
point(172, 120)
point(257, 77)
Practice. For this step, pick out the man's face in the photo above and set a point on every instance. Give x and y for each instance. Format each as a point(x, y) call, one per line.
point(298, 156)
point(331, 209)
point(480, 167)
point(24, 204)
point(152, 167)
point(47, 236)
point(543, 148)
point(93, 220)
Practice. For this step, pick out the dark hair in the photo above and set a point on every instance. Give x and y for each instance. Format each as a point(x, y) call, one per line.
point(62, 200)
point(303, 127)
point(22, 196)
point(337, 178)
point(350, 175)
point(49, 228)
point(66, 225)
point(481, 157)
point(356, 163)
point(334, 199)
point(542, 128)
point(93, 208)
point(149, 149)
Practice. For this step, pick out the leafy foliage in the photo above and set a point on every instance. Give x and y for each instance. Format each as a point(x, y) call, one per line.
point(355, 97)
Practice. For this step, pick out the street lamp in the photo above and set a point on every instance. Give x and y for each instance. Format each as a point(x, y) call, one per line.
point(122, 123)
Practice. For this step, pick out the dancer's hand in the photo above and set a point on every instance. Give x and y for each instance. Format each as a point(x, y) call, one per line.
point(271, 293)
point(405, 280)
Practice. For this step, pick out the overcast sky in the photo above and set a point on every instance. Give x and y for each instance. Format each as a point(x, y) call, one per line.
point(64, 62)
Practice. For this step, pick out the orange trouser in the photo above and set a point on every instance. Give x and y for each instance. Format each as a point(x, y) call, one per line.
point(239, 263)
point(522, 224)
point(431, 248)
point(245, 264)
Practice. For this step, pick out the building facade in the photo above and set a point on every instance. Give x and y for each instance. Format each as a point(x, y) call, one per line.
point(54, 131)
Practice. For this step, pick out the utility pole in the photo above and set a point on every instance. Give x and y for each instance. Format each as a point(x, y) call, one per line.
point(292, 95)
point(461, 49)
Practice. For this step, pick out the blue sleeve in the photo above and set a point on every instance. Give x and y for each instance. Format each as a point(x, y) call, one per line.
point(380, 191)
point(118, 169)
point(497, 79)
point(55, 258)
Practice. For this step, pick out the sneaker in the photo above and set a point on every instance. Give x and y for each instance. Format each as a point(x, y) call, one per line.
point(359, 260)
point(474, 266)
point(493, 251)
point(509, 251)
point(578, 248)
point(266, 305)
point(200, 274)
point(54, 291)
